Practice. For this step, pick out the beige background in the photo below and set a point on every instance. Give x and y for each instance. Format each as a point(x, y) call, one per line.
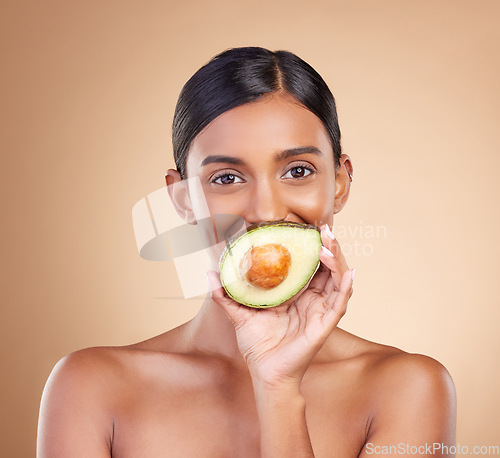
point(88, 92)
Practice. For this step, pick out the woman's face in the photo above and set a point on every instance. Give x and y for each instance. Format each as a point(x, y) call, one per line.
point(268, 160)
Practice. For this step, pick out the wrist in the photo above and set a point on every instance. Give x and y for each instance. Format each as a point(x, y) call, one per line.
point(271, 379)
point(274, 383)
point(276, 392)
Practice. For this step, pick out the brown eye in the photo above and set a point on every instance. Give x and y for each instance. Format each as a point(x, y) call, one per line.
point(227, 178)
point(298, 172)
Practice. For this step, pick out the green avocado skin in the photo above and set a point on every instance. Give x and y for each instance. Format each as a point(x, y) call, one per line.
point(303, 241)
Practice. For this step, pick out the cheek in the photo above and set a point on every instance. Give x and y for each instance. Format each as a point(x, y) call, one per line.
point(226, 204)
point(314, 205)
point(227, 213)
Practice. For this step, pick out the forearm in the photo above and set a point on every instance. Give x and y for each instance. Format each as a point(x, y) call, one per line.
point(282, 420)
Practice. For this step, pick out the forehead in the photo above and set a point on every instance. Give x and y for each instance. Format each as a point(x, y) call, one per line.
point(271, 124)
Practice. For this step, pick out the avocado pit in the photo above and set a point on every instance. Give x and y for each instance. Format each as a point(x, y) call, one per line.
point(265, 266)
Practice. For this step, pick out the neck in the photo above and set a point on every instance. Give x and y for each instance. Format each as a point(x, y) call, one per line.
point(211, 332)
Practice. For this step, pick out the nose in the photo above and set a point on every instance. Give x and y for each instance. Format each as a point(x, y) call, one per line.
point(265, 203)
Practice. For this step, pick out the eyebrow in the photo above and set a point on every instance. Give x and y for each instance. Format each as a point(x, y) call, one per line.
point(285, 154)
point(281, 156)
point(225, 159)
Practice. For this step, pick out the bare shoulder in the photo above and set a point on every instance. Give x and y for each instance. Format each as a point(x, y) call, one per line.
point(108, 374)
point(413, 369)
point(410, 397)
point(88, 390)
point(84, 376)
point(75, 413)
point(103, 369)
point(388, 367)
point(84, 371)
point(89, 361)
point(407, 377)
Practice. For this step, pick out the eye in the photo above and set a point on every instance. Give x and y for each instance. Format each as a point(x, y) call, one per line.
point(226, 178)
point(299, 171)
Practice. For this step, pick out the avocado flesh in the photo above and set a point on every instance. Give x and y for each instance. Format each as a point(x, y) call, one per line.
point(302, 242)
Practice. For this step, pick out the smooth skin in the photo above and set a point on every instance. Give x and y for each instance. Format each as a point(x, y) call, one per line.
point(237, 382)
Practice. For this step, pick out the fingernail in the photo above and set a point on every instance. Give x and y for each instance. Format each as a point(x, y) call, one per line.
point(327, 251)
point(329, 232)
point(353, 273)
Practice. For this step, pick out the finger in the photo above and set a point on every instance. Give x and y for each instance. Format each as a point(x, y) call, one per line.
point(336, 303)
point(329, 240)
point(335, 271)
point(319, 279)
point(332, 285)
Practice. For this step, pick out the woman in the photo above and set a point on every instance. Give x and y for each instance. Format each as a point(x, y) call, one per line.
point(259, 129)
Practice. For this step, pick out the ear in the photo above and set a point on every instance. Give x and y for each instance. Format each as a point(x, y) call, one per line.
point(343, 181)
point(179, 194)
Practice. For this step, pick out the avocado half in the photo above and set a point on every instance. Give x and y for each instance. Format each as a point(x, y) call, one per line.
point(270, 262)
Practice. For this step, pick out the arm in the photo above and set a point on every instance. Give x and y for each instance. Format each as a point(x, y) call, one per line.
point(73, 420)
point(415, 411)
point(278, 345)
point(282, 421)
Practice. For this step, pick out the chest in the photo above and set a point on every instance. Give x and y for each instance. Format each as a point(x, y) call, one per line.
point(222, 421)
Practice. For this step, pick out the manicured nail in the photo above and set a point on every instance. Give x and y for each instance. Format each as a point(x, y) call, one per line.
point(327, 251)
point(353, 273)
point(329, 232)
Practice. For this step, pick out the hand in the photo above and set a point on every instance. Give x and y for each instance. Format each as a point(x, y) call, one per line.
point(279, 343)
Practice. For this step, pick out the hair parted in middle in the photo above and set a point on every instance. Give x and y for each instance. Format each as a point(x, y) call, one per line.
point(242, 75)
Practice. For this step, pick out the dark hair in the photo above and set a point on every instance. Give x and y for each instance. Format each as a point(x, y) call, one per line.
point(242, 75)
